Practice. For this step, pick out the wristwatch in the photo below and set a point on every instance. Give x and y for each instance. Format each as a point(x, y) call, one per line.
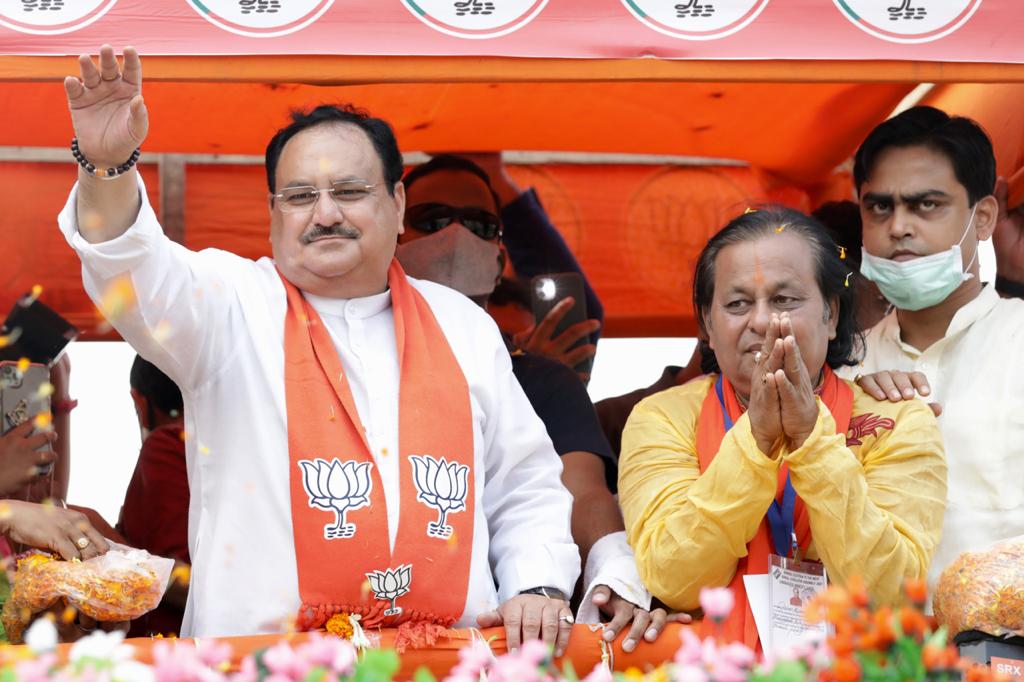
point(549, 592)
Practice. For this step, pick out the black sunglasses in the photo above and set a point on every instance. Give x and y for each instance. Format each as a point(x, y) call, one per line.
point(433, 217)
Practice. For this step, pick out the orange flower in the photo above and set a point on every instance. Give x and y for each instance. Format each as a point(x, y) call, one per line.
point(858, 592)
point(340, 625)
point(912, 622)
point(933, 657)
point(846, 669)
point(883, 627)
point(841, 645)
point(917, 591)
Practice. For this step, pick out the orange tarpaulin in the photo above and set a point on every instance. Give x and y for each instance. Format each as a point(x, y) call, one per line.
point(635, 229)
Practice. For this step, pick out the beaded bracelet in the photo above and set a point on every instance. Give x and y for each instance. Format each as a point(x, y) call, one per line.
point(109, 173)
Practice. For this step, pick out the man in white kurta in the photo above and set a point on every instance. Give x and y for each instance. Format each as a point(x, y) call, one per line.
point(917, 200)
point(214, 323)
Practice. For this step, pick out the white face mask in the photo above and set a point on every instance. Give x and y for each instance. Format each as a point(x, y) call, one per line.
point(921, 282)
point(454, 257)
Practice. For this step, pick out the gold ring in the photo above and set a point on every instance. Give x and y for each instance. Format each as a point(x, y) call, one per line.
point(82, 542)
point(857, 378)
point(567, 619)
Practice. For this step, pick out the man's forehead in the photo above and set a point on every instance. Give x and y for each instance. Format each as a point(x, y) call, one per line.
point(338, 149)
point(453, 187)
point(911, 171)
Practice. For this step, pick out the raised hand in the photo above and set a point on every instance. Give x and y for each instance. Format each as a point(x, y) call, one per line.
point(797, 404)
point(107, 110)
point(763, 407)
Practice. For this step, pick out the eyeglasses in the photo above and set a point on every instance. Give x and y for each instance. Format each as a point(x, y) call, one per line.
point(304, 198)
point(435, 217)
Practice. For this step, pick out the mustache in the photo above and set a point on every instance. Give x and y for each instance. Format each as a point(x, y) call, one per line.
point(335, 230)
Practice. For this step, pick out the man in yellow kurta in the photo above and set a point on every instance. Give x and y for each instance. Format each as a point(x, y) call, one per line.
point(871, 475)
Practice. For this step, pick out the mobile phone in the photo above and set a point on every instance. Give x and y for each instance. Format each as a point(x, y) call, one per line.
point(547, 291)
point(37, 332)
point(21, 398)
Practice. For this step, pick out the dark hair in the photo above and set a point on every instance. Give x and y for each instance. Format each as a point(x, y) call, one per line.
point(832, 276)
point(377, 129)
point(843, 222)
point(450, 162)
point(155, 386)
point(511, 292)
point(959, 139)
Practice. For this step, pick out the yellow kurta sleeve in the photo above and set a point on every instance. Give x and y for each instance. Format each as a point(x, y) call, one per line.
point(688, 530)
point(875, 507)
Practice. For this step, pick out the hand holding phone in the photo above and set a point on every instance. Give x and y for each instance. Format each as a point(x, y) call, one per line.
point(561, 328)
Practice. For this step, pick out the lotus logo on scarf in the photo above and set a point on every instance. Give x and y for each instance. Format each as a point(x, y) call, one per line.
point(338, 487)
point(442, 485)
point(389, 585)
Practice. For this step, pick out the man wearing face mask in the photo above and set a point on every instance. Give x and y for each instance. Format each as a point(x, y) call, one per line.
point(925, 182)
point(453, 237)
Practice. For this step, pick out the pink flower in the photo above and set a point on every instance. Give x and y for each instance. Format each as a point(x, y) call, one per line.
point(512, 668)
point(473, 658)
point(690, 673)
point(213, 653)
point(691, 651)
point(724, 671)
point(737, 655)
point(281, 661)
point(247, 672)
point(535, 651)
point(717, 602)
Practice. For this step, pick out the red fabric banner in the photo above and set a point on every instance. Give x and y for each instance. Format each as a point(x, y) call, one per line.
point(923, 30)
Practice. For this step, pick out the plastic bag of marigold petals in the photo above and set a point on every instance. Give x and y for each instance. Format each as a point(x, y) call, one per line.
point(118, 586)
point(984, 591)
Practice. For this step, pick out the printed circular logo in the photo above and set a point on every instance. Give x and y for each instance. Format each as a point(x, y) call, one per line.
point(475, 18)
point(696, 19)
point(908, 21)
point(50, 17)
point(261, 18)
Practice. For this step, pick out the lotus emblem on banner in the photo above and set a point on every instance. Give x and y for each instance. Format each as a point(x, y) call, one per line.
point(261, 18)
point(51, 17)
point(908, 21)
point(696, 19)
point(475, 18)
point(389, 585)
point(338, 487)
point(443, 486)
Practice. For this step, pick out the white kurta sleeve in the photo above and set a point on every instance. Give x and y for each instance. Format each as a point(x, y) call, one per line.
point(528, 509)
point(174, 306)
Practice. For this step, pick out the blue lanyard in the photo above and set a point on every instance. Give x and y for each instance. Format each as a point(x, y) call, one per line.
point(780, 516)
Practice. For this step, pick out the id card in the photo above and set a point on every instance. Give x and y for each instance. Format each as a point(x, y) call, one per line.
point(791, 584)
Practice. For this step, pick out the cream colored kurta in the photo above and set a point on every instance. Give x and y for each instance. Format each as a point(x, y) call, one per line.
point(976, 372)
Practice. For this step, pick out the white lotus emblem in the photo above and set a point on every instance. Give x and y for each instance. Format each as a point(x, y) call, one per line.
point(442, 485)
point(338, 487)
point(390, 584)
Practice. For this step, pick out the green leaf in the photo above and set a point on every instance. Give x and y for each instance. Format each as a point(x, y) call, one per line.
point(423, 675)
point(377, 665)
point(569, 672)
point(317, 674)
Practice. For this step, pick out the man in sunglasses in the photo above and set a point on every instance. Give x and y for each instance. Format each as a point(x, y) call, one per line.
point(453, 237)
point(357, 444)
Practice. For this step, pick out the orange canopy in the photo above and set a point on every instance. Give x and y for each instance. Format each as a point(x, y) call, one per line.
point(777, 131)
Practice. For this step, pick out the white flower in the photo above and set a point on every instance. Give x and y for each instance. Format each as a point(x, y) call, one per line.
point(132, 671)
point(41, 637)
point(101, 646)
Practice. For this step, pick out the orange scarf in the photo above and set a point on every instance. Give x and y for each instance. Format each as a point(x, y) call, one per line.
point(838, 397)
point(339, 514)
